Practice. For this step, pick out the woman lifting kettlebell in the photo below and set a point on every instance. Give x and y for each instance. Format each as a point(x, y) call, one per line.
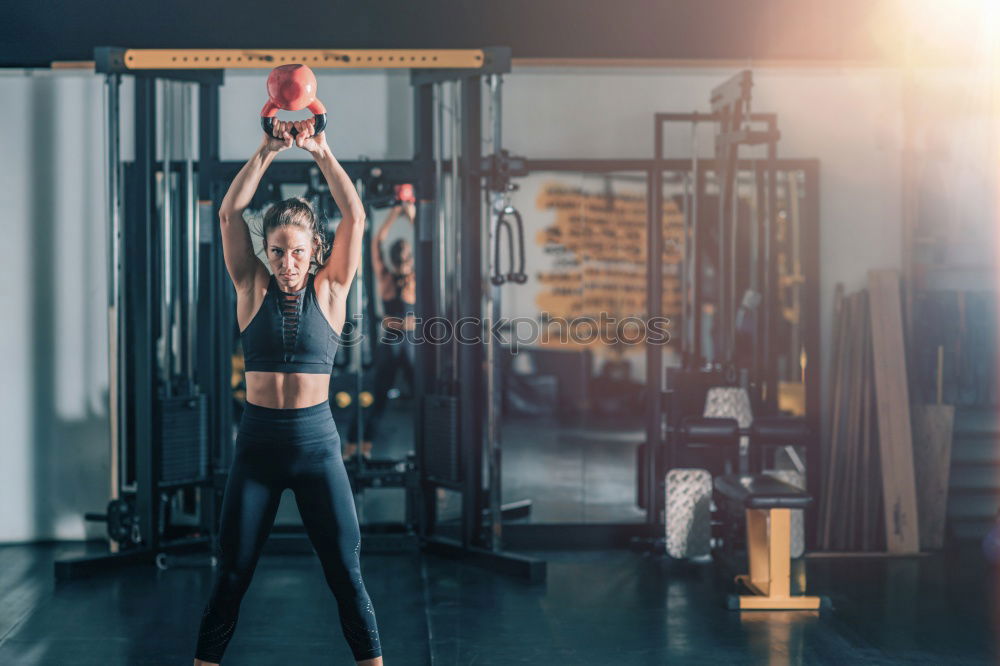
point(290, 314)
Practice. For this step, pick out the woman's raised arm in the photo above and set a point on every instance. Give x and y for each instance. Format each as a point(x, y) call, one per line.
point(237, 247)
point(378, 262)
point(345, 256)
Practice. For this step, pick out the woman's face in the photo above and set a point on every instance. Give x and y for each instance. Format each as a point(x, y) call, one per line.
point(289, 251)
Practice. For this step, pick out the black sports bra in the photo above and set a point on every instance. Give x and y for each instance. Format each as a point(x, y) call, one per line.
point(289, 333)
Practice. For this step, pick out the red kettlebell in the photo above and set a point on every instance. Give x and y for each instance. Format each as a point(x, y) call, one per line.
point(405, 194)
point(292, 88)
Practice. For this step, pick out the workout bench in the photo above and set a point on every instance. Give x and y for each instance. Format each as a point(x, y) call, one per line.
point(768, 504)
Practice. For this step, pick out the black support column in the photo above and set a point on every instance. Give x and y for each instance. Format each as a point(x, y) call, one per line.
point(470, 353)
point(140, 228)
point(654, 309)
point(423, 257)
point(216, 308)
point(771, 303)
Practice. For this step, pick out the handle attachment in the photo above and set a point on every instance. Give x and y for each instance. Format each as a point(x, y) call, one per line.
point(270, 110)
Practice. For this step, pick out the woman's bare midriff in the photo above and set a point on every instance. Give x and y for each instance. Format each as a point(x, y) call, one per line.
point(286, 390)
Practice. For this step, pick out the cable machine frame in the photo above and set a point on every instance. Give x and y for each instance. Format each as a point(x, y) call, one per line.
point(135, 398)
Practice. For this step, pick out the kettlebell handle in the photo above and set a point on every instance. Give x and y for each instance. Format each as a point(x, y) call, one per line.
point(270, 110)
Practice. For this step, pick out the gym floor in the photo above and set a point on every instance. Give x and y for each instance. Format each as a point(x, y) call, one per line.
point(596, 607)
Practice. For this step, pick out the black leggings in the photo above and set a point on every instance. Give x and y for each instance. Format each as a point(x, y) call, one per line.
point(396, 355)
point(297, 449)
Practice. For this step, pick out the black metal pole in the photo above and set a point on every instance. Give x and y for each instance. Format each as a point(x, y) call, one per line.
point(424, 245)
point(758, 273)
point(812, 334)
point(721, 275)
point(216, 313)
point(140, 235)
point(654, 308)
point(216, 278)
point(771, 303)
point(470, 351)
point(694, 254)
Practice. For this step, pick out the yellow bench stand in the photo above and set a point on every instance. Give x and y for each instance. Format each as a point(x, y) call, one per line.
point(768, 504)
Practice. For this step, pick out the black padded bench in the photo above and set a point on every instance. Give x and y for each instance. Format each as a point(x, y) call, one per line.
point(767, 503)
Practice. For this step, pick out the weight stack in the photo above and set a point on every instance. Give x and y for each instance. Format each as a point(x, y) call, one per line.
point(442, 461)
point(183, 431)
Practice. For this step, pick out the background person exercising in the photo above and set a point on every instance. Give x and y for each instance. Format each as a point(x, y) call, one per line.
point(394, 349)
point(290, 320)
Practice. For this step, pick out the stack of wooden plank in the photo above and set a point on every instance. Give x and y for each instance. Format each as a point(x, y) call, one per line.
point(868, 499)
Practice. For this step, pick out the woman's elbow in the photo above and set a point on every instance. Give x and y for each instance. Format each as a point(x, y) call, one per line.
point(227, 215)
point(356, 215)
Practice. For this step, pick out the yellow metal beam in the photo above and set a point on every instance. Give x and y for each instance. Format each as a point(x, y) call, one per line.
point(316, 58)
point(72, 64)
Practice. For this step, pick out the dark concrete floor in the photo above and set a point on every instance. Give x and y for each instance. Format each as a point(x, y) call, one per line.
point(572, 474)
point(596, 607)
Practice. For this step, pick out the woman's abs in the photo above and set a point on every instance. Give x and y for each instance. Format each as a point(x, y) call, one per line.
point(286, 390)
